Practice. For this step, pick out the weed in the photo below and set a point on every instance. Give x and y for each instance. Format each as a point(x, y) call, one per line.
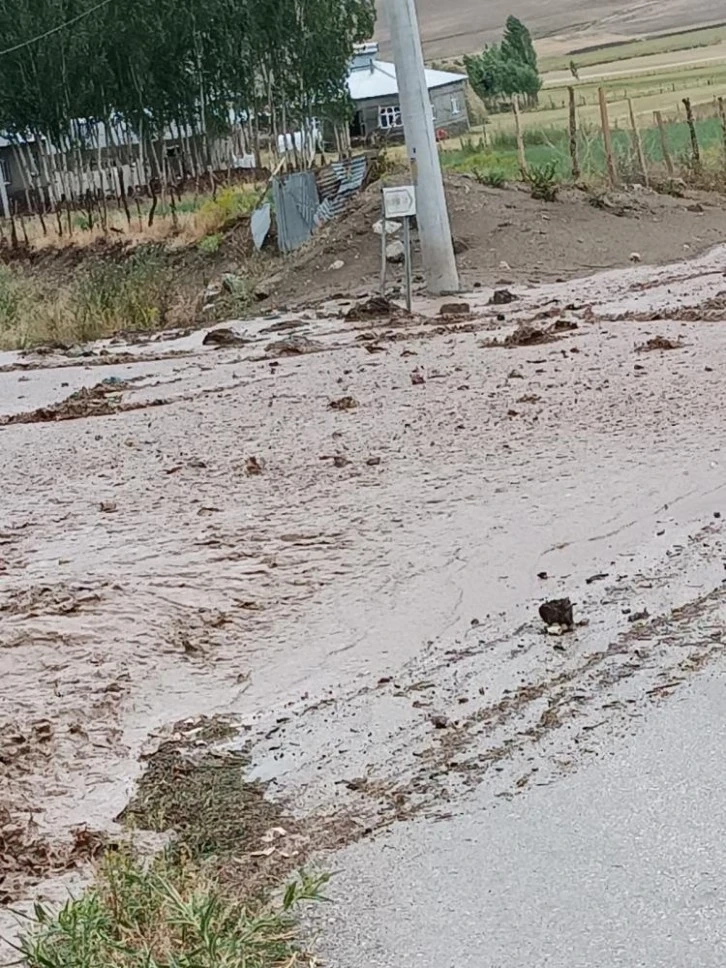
point(229, 205)
point(168, 914)
point(493, 177)
point(210, 244)
point(543, 181)
point(128, 295)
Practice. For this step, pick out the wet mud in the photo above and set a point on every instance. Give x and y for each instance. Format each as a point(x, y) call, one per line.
point(351, 563)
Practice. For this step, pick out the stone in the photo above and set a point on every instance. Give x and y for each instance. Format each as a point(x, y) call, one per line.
point(396, 252)
point(392, 228)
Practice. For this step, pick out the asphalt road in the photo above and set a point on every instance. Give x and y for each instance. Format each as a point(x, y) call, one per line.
point(620, 865)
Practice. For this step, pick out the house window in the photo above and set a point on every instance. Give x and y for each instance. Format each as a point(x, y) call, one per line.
point(455, 105)
point(5, 171)
point(389, 117)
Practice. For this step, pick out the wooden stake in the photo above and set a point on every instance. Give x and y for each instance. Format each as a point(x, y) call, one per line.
point(573, 136)
point(664, 143)
point(722, 115)
point(607, 141)
point(520, 139)
point(638, 143)
point(694, 136)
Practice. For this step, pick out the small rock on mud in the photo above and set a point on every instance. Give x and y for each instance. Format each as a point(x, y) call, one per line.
point(377, 307)
point(455, 309)
point(659, 343)
point(254, 467)
point(343, 403)
point(292, 346)
point(558, 611)
point(224, 337)
point(502, 297)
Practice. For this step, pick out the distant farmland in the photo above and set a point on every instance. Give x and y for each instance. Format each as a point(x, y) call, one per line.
point(461, 26)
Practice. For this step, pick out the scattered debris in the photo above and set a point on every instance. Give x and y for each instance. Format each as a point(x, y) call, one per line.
point(340, 460)
point(224, 337)
point(601, 576)
point(377, 307)
point(254, 467)
point(660, 343)
point(635, 257)
point(439, 721)
point(373, 461)
point(417, 377)
point(108, 507)
point(292, 346)
point(502, 297)
point(639, 616)
point(557, 612)
point(337, 265)
point(455, 309)
point(343, 403)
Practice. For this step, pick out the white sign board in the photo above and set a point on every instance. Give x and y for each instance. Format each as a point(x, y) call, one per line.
point(399, 202)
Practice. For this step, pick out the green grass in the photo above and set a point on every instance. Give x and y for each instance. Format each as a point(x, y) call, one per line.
point(132, 293)
point(166, 914)
point(615, 53)
point(550, 146)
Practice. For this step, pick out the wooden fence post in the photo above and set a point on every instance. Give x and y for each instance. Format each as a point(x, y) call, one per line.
point(605, 121)
point(694, 136)
point(722, 115)
point(573, 136)
point(520, 139)
point(638, 143)
point(664, 143)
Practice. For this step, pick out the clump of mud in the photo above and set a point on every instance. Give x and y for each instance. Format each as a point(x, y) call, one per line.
point(659, 343)
point(527, 334)
point(100, 400)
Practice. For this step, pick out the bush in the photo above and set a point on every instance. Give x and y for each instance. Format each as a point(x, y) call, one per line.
point(210, 244)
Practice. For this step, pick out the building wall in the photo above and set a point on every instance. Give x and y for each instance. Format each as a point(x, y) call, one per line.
point(444, 101)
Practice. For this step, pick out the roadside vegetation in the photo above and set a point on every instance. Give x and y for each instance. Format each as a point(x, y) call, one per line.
point(167, 913)
point(216, 897)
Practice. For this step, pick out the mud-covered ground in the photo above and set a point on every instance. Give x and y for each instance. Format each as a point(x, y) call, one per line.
point(339, 534)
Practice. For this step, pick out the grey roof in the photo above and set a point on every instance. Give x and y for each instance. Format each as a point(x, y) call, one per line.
point(378, 79)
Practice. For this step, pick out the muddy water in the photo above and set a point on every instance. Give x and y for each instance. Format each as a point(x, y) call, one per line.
point(147, 577)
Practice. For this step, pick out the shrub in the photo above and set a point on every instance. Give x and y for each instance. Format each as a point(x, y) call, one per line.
point(210, 243)
point(166, 914)
point(543, 181)
point(493, 177)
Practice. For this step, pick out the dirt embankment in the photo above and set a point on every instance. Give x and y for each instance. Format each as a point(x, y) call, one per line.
point(505, 236)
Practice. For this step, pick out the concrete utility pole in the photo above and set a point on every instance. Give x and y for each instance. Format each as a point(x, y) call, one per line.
point(432, 216)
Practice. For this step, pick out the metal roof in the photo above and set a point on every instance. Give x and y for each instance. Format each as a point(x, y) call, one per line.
point(378, 79)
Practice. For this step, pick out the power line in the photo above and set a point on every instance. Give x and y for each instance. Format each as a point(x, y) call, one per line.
point(55, 30)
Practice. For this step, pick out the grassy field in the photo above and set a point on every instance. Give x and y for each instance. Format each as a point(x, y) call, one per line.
point(597, 54)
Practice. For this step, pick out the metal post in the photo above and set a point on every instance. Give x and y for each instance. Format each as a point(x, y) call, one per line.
point(437, 248)
point(407, 247)
point(384, 246)
point(4, 195)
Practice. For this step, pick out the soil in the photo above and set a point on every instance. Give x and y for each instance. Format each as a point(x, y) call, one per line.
point(344, 551)
point(508, 237)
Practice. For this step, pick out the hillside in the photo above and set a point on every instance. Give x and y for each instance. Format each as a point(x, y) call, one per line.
point(464, 25)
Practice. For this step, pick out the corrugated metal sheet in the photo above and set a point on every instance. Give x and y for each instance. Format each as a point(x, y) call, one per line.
point(306, 199)
point(296, 201)
point(336, 183)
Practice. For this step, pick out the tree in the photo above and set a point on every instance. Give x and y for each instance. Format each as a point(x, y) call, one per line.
point(124, 75)
point(507, 69)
